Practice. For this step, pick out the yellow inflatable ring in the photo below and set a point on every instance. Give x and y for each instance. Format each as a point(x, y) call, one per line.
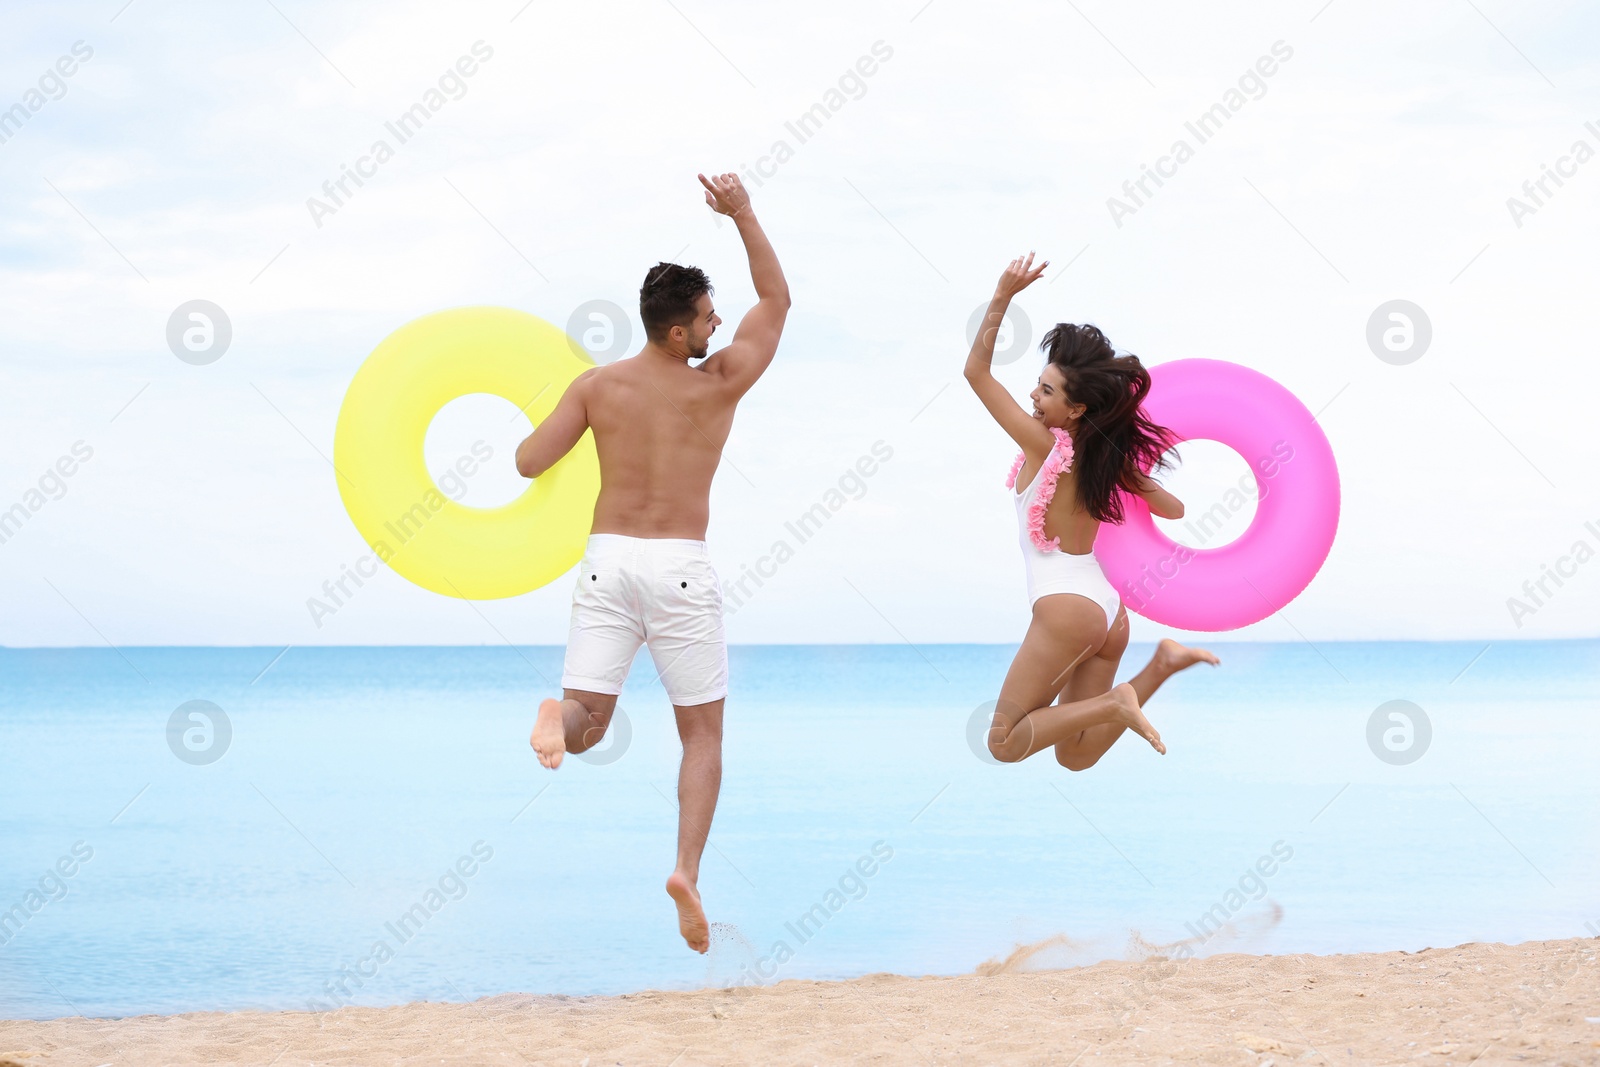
point(423, 535)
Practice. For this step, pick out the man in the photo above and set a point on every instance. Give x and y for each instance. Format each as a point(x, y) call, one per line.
point(659, 425)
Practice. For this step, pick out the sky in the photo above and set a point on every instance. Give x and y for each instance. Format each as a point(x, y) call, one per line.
point(176, 161)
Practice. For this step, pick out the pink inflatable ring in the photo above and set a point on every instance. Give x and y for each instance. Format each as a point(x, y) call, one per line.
point(1297, 510)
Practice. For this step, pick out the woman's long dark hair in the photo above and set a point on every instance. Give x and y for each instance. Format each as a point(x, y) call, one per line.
point(1115, 441)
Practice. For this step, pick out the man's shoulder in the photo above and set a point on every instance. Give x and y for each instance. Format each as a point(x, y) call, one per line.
point(617, 368)
point(597, 377)
point(609, 383)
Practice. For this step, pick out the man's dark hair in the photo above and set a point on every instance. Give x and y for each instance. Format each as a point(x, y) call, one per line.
point(668, 297)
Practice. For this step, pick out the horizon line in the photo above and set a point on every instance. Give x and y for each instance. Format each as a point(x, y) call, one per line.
point(824, 644)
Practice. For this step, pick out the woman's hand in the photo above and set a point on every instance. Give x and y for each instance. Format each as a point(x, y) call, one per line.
point(1020, 274)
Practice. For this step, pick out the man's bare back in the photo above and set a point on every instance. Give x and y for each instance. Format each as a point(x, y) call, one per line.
point(659, 427)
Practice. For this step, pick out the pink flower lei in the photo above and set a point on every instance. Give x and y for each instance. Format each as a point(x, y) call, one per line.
point(1059, 459)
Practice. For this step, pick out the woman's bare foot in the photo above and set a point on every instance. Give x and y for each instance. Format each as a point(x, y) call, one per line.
point(1172, 657)
point(691, 917)
point(1131, 716)
point(549, 738)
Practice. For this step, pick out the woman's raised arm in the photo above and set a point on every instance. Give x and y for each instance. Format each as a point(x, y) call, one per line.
point(1029, 433)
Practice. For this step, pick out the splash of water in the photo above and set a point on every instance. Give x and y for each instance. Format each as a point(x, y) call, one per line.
point(731, 957)
point(1059, 950)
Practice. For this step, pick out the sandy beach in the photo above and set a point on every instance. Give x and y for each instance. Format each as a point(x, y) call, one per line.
point(1537, 1002)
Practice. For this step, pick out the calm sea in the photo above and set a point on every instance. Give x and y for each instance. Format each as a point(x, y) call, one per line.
point(376, 830)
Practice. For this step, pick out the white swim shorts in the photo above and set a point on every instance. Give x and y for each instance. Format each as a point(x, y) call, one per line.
point(656, 591)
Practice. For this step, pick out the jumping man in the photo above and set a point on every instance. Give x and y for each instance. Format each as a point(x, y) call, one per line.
point(660, 419)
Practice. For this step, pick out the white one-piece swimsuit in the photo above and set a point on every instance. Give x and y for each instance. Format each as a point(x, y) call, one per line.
point(1057, 571)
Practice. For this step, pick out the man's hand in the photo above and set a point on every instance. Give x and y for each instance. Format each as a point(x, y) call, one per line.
point(1018, 276)
point(725, 194)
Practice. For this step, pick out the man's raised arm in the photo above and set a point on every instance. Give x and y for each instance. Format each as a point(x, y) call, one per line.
point(755, 342)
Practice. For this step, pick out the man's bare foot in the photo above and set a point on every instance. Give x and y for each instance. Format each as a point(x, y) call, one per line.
point(1131, 716)
point(691, 917)
point(1172, 657)
point(549, 738)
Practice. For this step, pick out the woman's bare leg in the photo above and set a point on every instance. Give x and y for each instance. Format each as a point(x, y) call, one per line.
point(1097, 673)
point(1066, 631)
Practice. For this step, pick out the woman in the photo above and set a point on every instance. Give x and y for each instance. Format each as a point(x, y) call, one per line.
point(1085, 439)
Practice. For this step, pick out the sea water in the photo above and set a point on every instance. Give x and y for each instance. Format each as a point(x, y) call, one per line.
point(368, 825)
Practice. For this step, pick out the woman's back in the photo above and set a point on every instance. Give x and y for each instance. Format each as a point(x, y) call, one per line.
point(1065, 519)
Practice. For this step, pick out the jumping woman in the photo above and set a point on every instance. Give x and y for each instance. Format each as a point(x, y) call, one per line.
point(1085, 439)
